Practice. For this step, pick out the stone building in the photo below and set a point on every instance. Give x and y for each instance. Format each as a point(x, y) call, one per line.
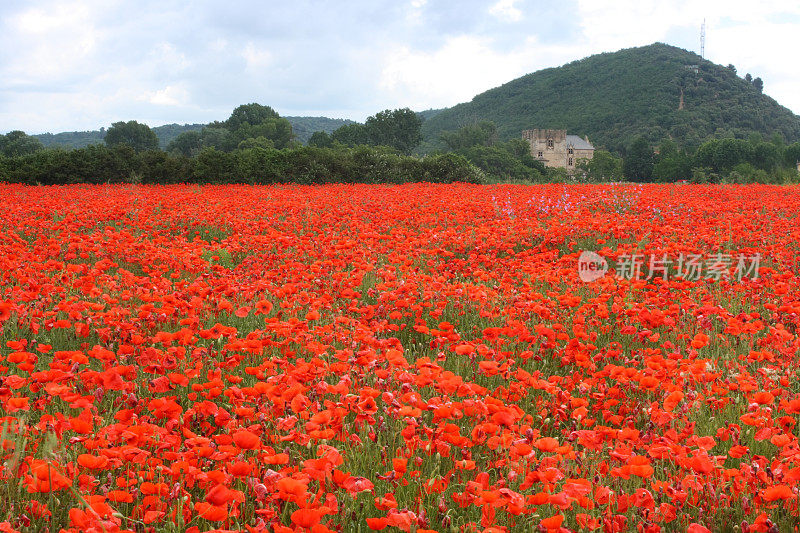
point(555, 148)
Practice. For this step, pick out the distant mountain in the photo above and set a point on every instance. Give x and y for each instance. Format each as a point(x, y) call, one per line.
point(429, 113)
point(81, 139)
point(303, 128)
point(657, 91)
point(71, 139)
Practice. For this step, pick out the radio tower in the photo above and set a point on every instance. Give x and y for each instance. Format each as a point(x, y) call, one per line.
point(703, 40)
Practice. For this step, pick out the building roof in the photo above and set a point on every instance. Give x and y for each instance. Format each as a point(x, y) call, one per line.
point(578, 143)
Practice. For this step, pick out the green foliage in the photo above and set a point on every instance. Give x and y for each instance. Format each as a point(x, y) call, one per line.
point(602, 167)
point(260, 165)
point(400, 129)
point(722, 155)
point(188, 144)
point(638, 162)
point(320, 139)
point(138, 136)
point(351, 135)
point(213, 166)
point(305, 127)
point(256, 142)
point(302, 128)
point(499, 163)
point(766, 156)
point(276, 130)
point(675, 166)
point(483, 133)
point(447, 168)
point(512, 160)
point(251, 115)
point(17, 143)
point(93, 164)
point(256, 164)
point(81, 139)
point(791, 154)
point(616, 97)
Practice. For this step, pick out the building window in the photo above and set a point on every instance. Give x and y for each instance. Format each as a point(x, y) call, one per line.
point(541, 154)
point(550, 143)
point(570, 150)
point(570, 161)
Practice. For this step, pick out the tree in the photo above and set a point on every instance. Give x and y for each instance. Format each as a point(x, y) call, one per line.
point(730, 152)
point(638, 162)
point(400, 129)
point(215, 135)
point(766, 156)
point(17, 143)
point(320, 139)
point(748, 78)
point(256, 142)
point(351, 135)
point(250, 114)
point(791, 154)
point(758, 83)
point(138, 136)
point(482, 133)
point(603, 166)
point(276, 130)
point(499, 163)
point(188, 143)
point(447, 168)
point(673, 167)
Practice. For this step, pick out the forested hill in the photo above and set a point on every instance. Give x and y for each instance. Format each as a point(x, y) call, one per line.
point(82, 139)
point(657, 91)
point(302, 127)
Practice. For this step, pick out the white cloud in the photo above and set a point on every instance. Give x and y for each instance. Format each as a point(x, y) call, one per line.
point(170, 57)
point(414, 13)
point(80, 64)
point(256, 57)
point(463, 67)
point(171, 95)
point(60, 43)
point(505, 10)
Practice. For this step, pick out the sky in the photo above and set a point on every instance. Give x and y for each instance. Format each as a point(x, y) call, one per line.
point(84, 64)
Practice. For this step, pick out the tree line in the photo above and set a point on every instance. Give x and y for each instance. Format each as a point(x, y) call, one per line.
point(727, 160)
point(256, 145)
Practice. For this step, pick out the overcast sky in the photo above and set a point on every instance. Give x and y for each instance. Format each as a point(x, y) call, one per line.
point(79, 65)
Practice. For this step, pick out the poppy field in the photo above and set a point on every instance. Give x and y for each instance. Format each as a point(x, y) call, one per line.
point(399, 358)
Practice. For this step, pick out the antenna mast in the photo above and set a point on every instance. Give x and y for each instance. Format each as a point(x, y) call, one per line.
point(703, 40)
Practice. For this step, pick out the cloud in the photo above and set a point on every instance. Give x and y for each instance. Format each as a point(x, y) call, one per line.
point(60, 45)
point(256, 57)
point(171, 95)
point(505, 10)
point(82, 64)
point(462, 68)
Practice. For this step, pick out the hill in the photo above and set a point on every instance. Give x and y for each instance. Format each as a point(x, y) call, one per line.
point(82, 139)
point(657, 91)
point(303, 128)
